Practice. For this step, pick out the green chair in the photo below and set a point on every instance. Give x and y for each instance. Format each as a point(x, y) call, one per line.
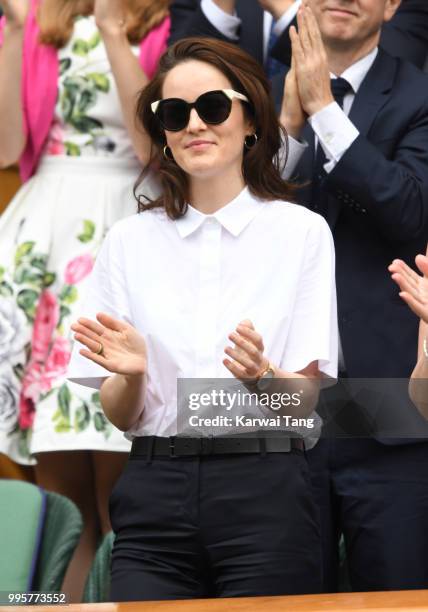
point(39, 531)
point(97, 586)
point(62, 530)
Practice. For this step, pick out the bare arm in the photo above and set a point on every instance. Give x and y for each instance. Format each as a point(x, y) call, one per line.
point(418, 385)
point(122, 399)
point(12, 139)
point(127, 72)
point(130, 79)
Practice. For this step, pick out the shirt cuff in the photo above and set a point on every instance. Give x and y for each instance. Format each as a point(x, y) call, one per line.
point(335, 133)
point(286, 18)
point(295, 152)
point(225, 23)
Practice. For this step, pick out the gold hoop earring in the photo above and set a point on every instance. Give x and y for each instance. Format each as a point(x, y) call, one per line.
point(249, 144)
point(167, 153)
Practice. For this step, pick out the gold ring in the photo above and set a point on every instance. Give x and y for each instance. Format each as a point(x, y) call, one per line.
point(100, 350)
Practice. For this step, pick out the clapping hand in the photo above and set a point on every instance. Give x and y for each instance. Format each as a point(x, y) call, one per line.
point(310, 60)
point(292, 116)
point(15, 11)
point(248, 359)
point(414, 288)
point(110, 15)
point(112, 344)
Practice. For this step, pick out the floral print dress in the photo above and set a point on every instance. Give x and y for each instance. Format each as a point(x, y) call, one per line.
point(49, 236)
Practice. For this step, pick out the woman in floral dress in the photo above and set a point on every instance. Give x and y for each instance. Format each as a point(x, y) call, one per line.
point(69, 74)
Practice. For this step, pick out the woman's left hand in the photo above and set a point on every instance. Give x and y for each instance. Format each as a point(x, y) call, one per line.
point(248, 359)
point(414, 288)
point(110, 15)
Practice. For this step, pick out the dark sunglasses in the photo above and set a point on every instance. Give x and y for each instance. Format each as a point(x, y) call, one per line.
point(213, 107)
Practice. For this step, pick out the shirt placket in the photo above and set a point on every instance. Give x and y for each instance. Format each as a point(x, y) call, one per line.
point(208, 299)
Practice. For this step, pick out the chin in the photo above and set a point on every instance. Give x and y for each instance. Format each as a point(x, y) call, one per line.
point(202, 166)
point(337, 35)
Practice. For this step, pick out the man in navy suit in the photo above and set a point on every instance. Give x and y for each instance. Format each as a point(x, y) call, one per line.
point(405, 36)
point(260, 27)
point(364, 115)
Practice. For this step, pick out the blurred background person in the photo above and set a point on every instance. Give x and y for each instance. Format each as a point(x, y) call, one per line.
point(261, 27)
point(414, 291)
point(258, 27)
point(70, 71)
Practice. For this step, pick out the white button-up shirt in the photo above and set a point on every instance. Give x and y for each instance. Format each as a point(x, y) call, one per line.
point(334, 130)
point(186, 284)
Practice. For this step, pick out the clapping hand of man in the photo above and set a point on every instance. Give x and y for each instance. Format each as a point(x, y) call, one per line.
point(413, 287)
point(112, 344)
point(310, 62)
point(292, 116)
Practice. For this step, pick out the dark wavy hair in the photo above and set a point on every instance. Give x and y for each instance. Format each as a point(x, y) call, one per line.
point(261, 163)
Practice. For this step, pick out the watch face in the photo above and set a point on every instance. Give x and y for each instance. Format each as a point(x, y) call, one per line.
point(265, 381)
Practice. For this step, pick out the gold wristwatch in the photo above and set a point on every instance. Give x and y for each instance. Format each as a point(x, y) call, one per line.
point(264, 380)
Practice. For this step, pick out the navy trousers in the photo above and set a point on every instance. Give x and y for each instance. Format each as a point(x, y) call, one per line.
point(377, 496)
point(215, 526)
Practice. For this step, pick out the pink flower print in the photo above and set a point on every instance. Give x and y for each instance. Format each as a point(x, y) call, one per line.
point(39, 377)
point(26, 412)
point(55, 144)
point(45, 322)
point(59, 356)
point(34, 383)
point(78, 268)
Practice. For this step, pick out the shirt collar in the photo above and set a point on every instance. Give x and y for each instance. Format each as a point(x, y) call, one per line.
point(234, 216)
point(356, 73)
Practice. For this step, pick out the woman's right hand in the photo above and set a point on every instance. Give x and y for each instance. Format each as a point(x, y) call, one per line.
point(15, 11)
point(123, 348)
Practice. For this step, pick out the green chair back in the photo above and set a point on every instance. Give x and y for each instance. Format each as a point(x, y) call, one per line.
point(62, 529)
point(22, 516)
point(39, 532)
point(97, 588)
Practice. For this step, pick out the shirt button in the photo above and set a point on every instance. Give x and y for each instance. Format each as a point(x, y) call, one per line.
point(210, 221)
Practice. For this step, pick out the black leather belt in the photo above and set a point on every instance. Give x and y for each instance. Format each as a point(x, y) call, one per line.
point(176, 446)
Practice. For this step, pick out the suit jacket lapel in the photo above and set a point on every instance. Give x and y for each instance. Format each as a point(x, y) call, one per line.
point(371, 97)
point(373, 92)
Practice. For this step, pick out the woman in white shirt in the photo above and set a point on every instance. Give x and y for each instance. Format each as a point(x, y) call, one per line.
point(220, 278)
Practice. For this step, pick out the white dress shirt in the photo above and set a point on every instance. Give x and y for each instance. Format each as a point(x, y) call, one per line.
point(229, 24)
point(186, 284)
point(334, 130)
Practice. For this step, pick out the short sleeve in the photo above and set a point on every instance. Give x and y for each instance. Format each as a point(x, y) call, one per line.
point(106, 292)
point(313, 332)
